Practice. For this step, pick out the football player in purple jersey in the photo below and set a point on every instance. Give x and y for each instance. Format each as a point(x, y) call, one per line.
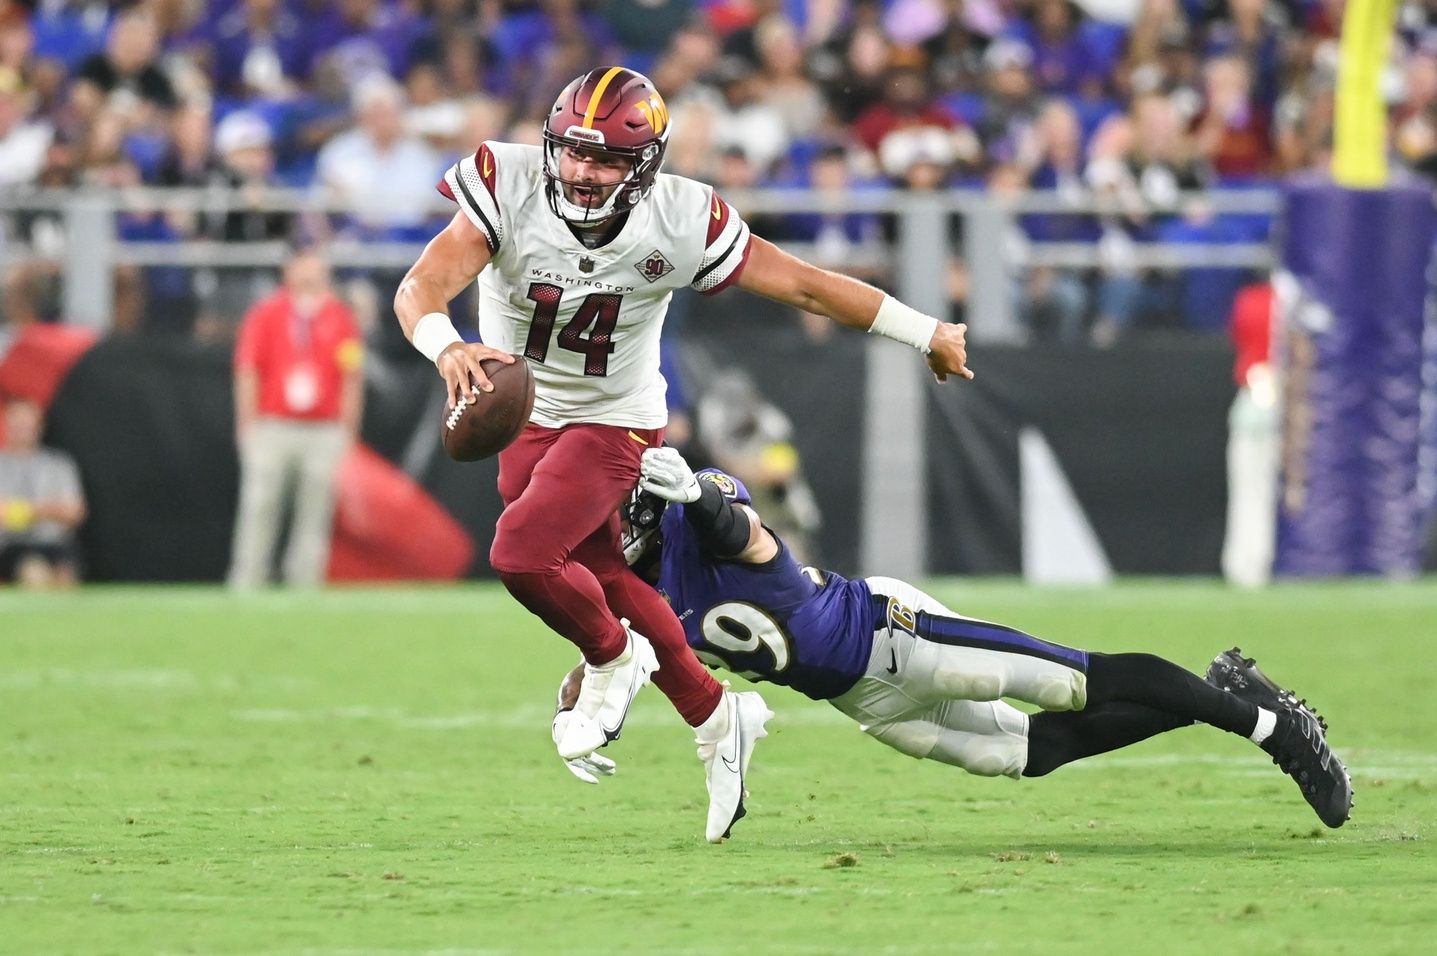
point(919, 677)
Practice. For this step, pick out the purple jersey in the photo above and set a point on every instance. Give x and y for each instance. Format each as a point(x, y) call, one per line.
point(771, 621)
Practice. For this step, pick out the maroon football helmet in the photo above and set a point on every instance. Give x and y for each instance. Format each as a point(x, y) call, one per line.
point(615, 110)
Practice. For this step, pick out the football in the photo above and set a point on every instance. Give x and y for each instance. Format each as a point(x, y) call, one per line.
point(482, 426)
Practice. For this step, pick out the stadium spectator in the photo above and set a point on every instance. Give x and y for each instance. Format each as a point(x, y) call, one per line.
point(435, 116)
point(907, 103)
point(127, 75)
point(368, 38)
point(839, 236)
point(786, 90)
point(298, 400)
point(106, 77)
point(1010, 103)
point(645, 28)
point(1231, 132)
point(1064, 59)
point(190, 158)
point(258, 46)
point(1249, 29)
point(69, 31)
point(24, 141)
point(1144, 163)
point(243, 164)
point(956, 50)
point(851, 67)
point(42, 502)
point(17, 42)
point(466, 64)
point(743, 120)
point(1046, 295)
point(923, 159)
point(384, 174)
point(1414, 120)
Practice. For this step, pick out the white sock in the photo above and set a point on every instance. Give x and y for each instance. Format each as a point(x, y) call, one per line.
point(714, 728)
point(624, 657)
point(1266, 724)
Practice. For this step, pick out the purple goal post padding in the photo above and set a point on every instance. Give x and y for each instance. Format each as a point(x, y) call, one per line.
point(1352, 294)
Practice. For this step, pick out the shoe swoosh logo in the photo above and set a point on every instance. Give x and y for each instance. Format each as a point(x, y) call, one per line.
point(612, 732)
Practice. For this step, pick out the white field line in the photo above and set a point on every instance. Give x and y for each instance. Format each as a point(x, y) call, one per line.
point(478, 597)
point(1362, 762)
point(145, 679)
point(525, 716)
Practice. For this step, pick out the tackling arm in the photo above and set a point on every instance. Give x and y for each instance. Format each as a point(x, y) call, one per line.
point(774, 274)
point(762, 545)
point(727, 529)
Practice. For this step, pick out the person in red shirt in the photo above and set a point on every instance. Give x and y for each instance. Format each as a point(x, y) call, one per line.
point(907, 104)
point(1231, 131)
point(1252, 444)
point(298, 398)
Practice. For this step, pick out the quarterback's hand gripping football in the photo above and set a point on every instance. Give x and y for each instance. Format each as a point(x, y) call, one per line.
point(460, 365)
point(948, 351)
point(588, 768)
point(663, 472)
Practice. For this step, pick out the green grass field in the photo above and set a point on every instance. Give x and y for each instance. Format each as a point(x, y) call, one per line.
point(370, 771)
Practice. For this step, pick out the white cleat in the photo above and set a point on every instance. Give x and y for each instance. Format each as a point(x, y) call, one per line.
point(605, 694)
point(737, 725)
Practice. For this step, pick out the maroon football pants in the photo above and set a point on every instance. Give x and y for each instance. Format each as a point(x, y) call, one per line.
point(556, 548)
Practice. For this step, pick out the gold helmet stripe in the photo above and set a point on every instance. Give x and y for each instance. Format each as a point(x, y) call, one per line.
point(599, 94)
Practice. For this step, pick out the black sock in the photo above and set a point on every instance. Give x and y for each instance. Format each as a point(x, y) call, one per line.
point(1058, 738)
point(1163, 685)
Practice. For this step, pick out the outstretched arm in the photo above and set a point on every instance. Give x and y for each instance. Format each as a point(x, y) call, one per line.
point(774, 274)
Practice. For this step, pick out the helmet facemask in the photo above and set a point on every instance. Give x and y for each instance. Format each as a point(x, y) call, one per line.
point(639, 519)
point(644, 165)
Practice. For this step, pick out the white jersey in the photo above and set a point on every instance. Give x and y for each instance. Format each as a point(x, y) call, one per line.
point(589, 320)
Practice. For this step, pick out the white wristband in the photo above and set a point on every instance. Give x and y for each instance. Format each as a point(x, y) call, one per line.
point(904, 324)
point(433, 334)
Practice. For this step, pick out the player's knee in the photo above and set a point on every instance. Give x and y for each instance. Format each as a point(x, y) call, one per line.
point(995, 756)
point(994, 761)
point(515, 551)
point(1066, 691)
point(968, 683)
point(915, 740)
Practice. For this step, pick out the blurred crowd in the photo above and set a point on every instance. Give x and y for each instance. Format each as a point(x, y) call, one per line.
point(367, 101)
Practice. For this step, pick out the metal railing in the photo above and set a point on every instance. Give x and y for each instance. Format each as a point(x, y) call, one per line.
point(894, 510)
point(93, 246)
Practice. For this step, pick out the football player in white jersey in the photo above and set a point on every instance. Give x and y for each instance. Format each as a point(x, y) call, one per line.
point(578, 246)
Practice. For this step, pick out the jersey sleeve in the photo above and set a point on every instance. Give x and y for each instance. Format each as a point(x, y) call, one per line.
point(726, 248)
point(729, 486)
point(473, 184)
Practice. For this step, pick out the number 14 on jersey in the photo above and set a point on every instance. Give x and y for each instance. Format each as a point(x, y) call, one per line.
point(599, 310)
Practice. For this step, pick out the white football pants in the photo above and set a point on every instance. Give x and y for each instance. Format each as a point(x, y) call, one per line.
point(935, 694)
